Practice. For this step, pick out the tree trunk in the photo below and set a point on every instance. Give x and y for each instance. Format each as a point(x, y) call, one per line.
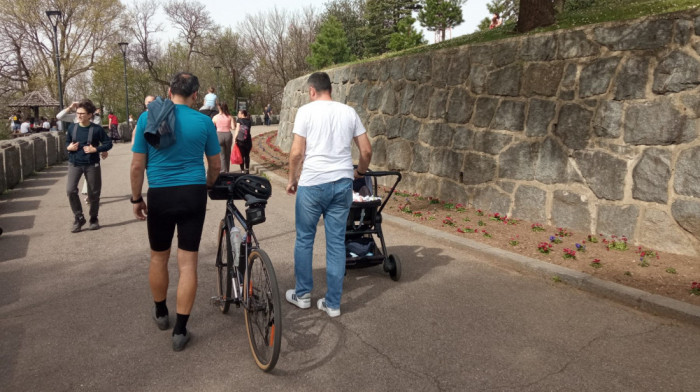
point(533, 14)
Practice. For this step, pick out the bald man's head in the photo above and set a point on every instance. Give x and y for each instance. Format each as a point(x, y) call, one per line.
point(149, 99)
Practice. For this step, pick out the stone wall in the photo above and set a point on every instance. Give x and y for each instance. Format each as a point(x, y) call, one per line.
point(594, 129)
point(21, 157)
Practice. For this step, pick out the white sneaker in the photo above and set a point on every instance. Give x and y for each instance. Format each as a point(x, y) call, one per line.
point(331, 312)
point(303, 302)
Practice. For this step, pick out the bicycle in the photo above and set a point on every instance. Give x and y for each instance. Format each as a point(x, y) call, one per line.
point(245, 276)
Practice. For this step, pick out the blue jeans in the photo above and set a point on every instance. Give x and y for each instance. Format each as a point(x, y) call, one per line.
point(333, 201)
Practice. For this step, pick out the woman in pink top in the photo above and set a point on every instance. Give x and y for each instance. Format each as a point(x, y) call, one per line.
point(225, 123)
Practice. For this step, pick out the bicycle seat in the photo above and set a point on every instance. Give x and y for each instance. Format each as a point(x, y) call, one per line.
point(252, 200)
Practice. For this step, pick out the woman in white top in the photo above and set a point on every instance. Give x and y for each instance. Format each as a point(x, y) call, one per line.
point(225, 123)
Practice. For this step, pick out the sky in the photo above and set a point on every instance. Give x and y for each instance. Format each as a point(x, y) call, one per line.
point(232, 12)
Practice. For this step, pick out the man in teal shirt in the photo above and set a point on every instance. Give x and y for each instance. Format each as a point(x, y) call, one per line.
point(177, 198)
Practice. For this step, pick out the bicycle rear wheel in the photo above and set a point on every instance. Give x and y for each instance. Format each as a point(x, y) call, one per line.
point(263, 315)
point(224, 261)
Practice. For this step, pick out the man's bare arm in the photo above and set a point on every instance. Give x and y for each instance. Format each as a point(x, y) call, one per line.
point(296, 159)
point(213, 169)
point(365, 147)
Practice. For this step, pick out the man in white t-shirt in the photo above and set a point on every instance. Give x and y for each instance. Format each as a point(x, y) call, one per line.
point(323, 134)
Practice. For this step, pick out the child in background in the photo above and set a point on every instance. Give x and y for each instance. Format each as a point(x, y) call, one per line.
point(209, 100)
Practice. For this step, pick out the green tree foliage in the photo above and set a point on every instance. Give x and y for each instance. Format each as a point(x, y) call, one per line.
point(406, 36)
point(383, 18)
point(350, 13)
point(507, 9)
point(331, 45)
point(440, 15)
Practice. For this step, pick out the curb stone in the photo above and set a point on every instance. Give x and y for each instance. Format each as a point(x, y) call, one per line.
point(635, 298)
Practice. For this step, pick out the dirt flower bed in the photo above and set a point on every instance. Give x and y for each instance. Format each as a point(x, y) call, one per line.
point(610, 258)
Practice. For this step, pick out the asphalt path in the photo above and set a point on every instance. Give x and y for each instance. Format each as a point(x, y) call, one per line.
point(75, 314)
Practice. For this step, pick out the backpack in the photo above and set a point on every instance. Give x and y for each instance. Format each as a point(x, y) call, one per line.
point(244, 132)
point(160, 123)
point(74, 133)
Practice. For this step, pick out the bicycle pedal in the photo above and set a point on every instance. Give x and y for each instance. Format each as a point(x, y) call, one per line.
point(215, 300)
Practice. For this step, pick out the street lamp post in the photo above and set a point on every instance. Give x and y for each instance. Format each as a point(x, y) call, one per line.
point(54, 17)
point(122, 46)
point(218, 85)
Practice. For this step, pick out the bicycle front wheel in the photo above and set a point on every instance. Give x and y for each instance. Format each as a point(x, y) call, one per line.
point(263, 315)
point(224, 260)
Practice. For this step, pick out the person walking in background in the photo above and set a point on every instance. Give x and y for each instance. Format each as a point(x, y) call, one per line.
point(243, 139)
point(113, 126)
point(177, 198)
point(209, 100)
point(84, 141)
point(495, 21)
point(323, 134)
point(97, 117)
point(224, 126)
point(268, 114)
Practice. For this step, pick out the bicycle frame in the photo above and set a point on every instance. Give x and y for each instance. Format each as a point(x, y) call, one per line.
point(251, 243)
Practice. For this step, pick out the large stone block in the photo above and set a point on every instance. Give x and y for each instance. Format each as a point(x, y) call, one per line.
point(571, 210)
point(510, 116)
point(441, 63)
point(446, 163)
point(438, 104)
point(568, 80)
point(530, 204)
point(374, 97)
point(677, 72)
point(453, 192)
point(631, 81)
point(395, 69)
point(617, 220)
point(481, 54)
point(492, 200)
point(407, 95)
point(418, 68)
point(410, 128)
point(505, 81)
point(436, 134)
point(651, 175)
point(478, 169)
point(463, 138)
point(26, 156)
point(657, 123)
point(485, 109)
point(377, 126)
point(684, 31)
point(458, 73)
point(687, 214)
point(379, 152)
point(389, 104)
point(477, 79)
point(491, 142)
point(39, 145)
point(552, 163)
point(13, 164)
point(399, 154)
point(573, 127)
point(572, 44)
point(652, 34)
point(421, 158)
point(505, 53)
point(538, 48)
point(687, 173)
point(542, 79)
point(460, 106)
point(518, 161)
point(659, 231)
point(603, 173)
point(596, 76)
point(427, 185)
point(356, 94)
point(540, 114)
point(421, 101)
point(608, 119)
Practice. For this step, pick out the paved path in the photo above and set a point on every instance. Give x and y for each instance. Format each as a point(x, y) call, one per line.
point(74, 315)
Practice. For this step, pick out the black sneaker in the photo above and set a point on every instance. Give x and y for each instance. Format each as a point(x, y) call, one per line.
point(78, 224)
point(94, 224)
point(180, 341)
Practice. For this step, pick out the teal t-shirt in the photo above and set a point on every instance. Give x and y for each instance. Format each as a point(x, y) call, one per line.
point(182, 163)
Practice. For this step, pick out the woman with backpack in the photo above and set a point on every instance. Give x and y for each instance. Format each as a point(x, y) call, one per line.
point(224, 127)
point(243, 139)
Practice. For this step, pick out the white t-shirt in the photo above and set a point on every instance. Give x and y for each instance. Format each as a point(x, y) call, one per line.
point(329, 128)
point(25, 127)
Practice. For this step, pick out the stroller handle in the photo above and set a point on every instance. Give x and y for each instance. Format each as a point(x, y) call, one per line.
point(370, 173)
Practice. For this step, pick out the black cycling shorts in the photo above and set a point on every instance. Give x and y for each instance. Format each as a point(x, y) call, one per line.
point(182, 206)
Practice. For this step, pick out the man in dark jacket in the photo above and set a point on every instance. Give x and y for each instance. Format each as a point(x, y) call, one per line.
point(84, 142)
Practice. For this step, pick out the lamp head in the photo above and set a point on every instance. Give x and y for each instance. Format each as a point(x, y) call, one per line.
point(122, 46)
point(54, 16)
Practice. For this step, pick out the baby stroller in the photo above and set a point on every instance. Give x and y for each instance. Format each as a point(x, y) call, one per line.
point(365, 221)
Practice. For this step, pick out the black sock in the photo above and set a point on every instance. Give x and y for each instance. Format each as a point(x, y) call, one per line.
point(161, 309)
point(181, 324)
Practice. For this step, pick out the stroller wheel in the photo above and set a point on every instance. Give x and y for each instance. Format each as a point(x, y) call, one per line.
point(392, 265)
